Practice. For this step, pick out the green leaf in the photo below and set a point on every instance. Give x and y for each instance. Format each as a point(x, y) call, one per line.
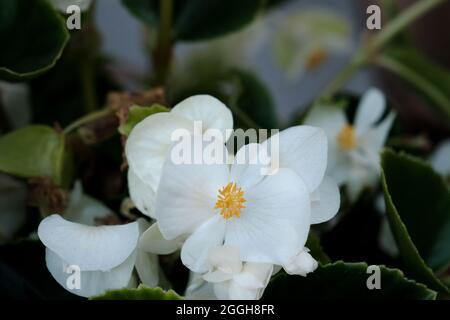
point(345, 281)
point(313, 244)
point(34, 151)
point(418, 208)
point(137, 114)
point(254, 99)
point(33, 36)
point(198, 19)
point(431, 80)
point(141, 293)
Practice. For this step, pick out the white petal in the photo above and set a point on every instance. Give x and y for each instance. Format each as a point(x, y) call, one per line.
point(149, 143)
point(217, 276)
point(199, 289)
point(375, 138)
point(212, 112)
point(226, 259)
point(152, 241)
point(327, 203)
point(275, 223)
point(359, 179)
point(222, 290)
point(440, 160)
point(142, 194)
point(330, 119)
point(236, 292)
point(196, 249)
point(247, 168)
point(147, 265)
point(301, 264)
point(84, 209)
point(304, 150)
point(91, 282)
point(370, 109)
point(91, 248)
point(254, 275)
point(187, 195)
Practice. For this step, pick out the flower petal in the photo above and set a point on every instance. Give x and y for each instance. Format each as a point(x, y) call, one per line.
point(226, 259)
point(187, 195)
point(375, 138)
point(301, 264)
point(247, 168)
point(147, 265)
point(304, 150)
point(212, 112)
point(327, 201)
point(91, 282)
point(152, 241)
point(440, 158)
point(275, 223)
point(330, 119)
point(254, 275)
point(196, 249)
point(149, 143)
point(142, 194)
point(370, 109)
point(91, 248)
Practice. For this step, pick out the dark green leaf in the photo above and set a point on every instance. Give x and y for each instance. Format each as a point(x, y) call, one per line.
point(418, 207)
point(428, 78)
point(313, 244)
point(199, 19)
point(137, 114)
point(33, 36)
point(141, 293)
point(254, 99)
point(34, 151)
point(345, 281)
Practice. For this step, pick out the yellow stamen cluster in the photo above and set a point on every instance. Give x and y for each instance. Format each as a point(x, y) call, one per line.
point(230, 201)
point(315, 59)
point(346, 138)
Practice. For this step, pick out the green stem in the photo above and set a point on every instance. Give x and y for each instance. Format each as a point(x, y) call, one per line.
point(86, 119)
point(365, 54)
point(163, 51)
point(414, 78)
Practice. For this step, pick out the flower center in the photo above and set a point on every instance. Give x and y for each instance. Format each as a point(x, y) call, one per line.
point(230, 201)
point(315, 59)
point(346, 138)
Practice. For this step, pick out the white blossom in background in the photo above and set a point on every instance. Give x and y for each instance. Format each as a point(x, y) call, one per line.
point(440, 159)
point(62, 5)
point(354, 149)
point(306, 38)
point(15, 99)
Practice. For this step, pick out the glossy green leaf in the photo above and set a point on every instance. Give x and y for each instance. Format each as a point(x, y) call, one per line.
point(137, 114)
point(33, 36)
point(199, 19)
point(34, 151)
point(431, 80)
point(141, 293)
point(345, 281)
point(418, 208)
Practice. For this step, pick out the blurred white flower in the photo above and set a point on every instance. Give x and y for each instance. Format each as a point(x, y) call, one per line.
point(149, 142)
point(440, 159)
point(353, 153)
point(233, 279)
point(307, 37)
point(15, 99)
point(62, 5)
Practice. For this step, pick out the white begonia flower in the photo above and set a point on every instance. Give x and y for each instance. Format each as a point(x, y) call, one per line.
point(267, 217)
point(62, 5)
point(236, 280)
point(353, 153)
point(149, 142)
point(105, 256)
point(307, 37)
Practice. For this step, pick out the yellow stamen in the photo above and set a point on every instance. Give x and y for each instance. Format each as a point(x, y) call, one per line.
point(315, 59)
point(347, 138)
point(230, 201)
